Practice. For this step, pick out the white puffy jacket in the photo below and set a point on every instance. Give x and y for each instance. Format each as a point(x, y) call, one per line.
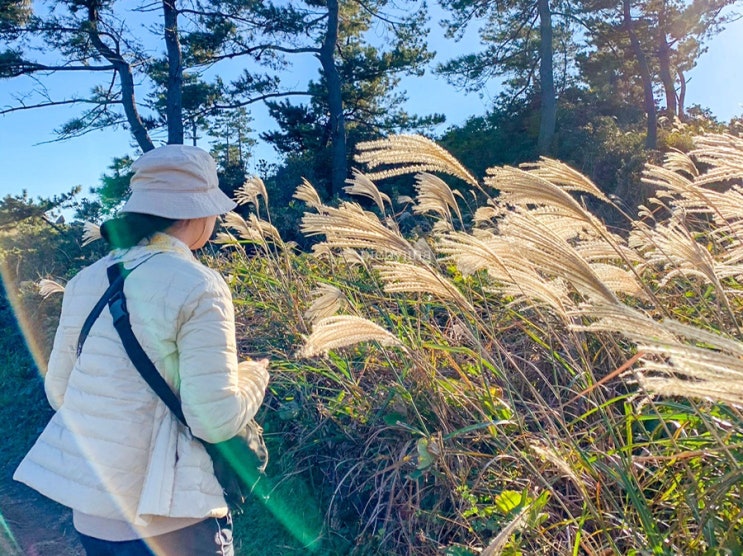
point(113, 449)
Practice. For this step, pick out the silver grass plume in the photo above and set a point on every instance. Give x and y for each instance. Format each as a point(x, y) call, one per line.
point(709, 367)
point(307, 193)
point(682, 194)
point(619, 318)
point(267, 230)
point(514, 274)
point(565, 226)
point(328, 301)
point(238, 224)
point(353, 258)
point(549, 252)
point(411, 278)
point(728, 218)
point(561, 174)
point(48, 287)
point(441, 227)
point(249, 191)
point(640, 237)
point(408, 154)
point(474, 253)
point(722, 391)
point(595, 240)
point(435, 196)
point(528, 288)
point(678, 161)
point(253, 229)
point(599, 250)
point(225, 238)
point(705, 337)
point(342, 331)
point(351, 226)
point(350, 257)
point(91, 233)
point(525, 189)
point(675, 247)
point(526, 244)
point(724, 153)
point(645, 215)
point(669, 180)
point(485, 214)
point(361, 185)
point(322, 251)
point(618, 280)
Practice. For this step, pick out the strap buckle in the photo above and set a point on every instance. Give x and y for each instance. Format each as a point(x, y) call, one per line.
point(117, 306)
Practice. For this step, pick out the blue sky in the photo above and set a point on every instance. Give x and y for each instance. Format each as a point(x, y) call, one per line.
point(30, 162)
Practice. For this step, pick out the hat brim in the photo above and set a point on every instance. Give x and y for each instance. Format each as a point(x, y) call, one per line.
point(171, 204)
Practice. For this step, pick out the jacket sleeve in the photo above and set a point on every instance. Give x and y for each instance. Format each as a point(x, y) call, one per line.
point(217, 401)
point(63, 355)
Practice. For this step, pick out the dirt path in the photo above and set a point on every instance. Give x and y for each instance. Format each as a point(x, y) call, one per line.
point(31, 525)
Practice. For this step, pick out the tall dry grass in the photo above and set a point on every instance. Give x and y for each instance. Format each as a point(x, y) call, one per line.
point(521, 380)
point(554, 387)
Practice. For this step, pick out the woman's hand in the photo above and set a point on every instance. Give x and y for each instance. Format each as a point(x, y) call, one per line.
point(257, 371)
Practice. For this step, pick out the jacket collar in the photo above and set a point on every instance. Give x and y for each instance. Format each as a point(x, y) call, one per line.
point(158, 243)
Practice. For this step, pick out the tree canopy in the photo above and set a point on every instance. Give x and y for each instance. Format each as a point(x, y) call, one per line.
point(190, 71)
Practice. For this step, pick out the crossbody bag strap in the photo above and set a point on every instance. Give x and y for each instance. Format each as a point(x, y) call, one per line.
point(141, 361)
point(113, 287)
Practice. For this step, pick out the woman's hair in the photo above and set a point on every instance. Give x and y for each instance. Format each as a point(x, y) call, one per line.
point(129, 228)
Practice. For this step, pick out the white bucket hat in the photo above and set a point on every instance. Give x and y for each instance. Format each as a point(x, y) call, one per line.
point(178, 182)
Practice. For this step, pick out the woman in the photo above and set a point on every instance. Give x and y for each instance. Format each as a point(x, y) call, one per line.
point(137, 481)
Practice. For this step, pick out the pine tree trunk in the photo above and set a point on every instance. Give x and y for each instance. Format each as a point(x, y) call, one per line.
point(682, 95)
point(548, 112)
point(664, 63)
point(651, 140)
point(335, 102)
point(174, 102)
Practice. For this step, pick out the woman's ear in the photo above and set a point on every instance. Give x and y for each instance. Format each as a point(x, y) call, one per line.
point(202, 231)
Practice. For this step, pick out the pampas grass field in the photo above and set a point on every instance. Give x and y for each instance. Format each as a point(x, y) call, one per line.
point(519, 379)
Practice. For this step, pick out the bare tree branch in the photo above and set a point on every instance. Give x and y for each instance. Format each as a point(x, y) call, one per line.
point(253, 100)
point(54, 103)
point(127, 82)
point(261, 48)
point(25, 68)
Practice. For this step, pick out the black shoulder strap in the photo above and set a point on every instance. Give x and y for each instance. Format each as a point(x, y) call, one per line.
point(113, 287)
point(120, 314)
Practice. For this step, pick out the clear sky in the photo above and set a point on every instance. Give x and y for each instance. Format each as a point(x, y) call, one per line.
point(30, 162)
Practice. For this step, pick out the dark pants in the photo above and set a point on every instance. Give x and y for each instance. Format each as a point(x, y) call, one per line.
point(211, 537)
